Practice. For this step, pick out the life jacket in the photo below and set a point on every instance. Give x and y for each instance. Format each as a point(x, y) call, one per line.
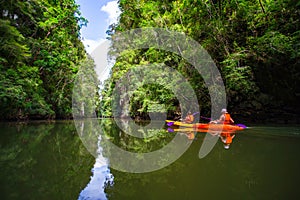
point(227, 119)
point(191, 118)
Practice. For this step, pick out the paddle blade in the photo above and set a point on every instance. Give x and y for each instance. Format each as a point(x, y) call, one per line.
point(170, 123)
point(170, 130)
point(241, 125)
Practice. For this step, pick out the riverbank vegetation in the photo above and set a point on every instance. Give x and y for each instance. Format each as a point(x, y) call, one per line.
point(40, 55)
point(255, 45)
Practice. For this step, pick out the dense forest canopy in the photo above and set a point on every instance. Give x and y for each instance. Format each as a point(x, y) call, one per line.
point(41, 52)
point(255, 45)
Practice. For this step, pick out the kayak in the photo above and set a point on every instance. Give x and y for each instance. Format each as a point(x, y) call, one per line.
point(205, 126)
point(223, 132)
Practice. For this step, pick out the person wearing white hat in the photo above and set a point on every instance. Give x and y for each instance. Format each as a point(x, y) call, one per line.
point(225, 118)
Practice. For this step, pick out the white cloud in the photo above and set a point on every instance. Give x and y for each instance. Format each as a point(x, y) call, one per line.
point(113, 11)
point(91, 45)
point(98, 48)
point(102, 60)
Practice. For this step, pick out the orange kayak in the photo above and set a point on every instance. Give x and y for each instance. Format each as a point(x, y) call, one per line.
point(204, 126)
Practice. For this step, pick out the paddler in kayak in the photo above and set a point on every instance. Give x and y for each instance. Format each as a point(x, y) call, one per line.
point(189, 118)
point(225, 118)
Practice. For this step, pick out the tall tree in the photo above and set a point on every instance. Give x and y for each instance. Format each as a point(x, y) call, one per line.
point(40, 54)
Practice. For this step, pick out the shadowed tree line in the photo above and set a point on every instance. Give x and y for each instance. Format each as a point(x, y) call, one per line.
point(40, 54)
point(255, 45)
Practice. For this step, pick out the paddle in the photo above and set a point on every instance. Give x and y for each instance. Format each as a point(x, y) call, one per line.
point(205, 118)
point(241, 125)
point(196, 113)
point(170, 130)
point(170, 123)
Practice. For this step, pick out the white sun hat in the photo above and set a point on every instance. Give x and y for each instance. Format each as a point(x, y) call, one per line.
point(224, 110)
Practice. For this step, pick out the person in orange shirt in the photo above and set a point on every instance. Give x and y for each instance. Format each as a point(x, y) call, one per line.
point(225, 118)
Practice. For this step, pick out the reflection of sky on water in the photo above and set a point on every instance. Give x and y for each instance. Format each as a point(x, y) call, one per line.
point(101, 177)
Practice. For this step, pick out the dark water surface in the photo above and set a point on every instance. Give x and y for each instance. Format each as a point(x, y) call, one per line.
point(41, 160)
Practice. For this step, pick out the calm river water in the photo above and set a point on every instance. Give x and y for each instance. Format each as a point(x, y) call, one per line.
point(43, 160)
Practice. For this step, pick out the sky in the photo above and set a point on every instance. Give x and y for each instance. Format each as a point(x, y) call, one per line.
point(100, 14)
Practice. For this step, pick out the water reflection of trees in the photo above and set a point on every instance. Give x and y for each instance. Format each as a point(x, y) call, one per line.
point(153, 139)
point(42, 161)
point(92, 132)
point(157, 149)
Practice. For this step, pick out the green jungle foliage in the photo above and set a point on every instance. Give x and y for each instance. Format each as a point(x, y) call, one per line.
point(40, 54)
point(255, 45)
point(42, 158)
